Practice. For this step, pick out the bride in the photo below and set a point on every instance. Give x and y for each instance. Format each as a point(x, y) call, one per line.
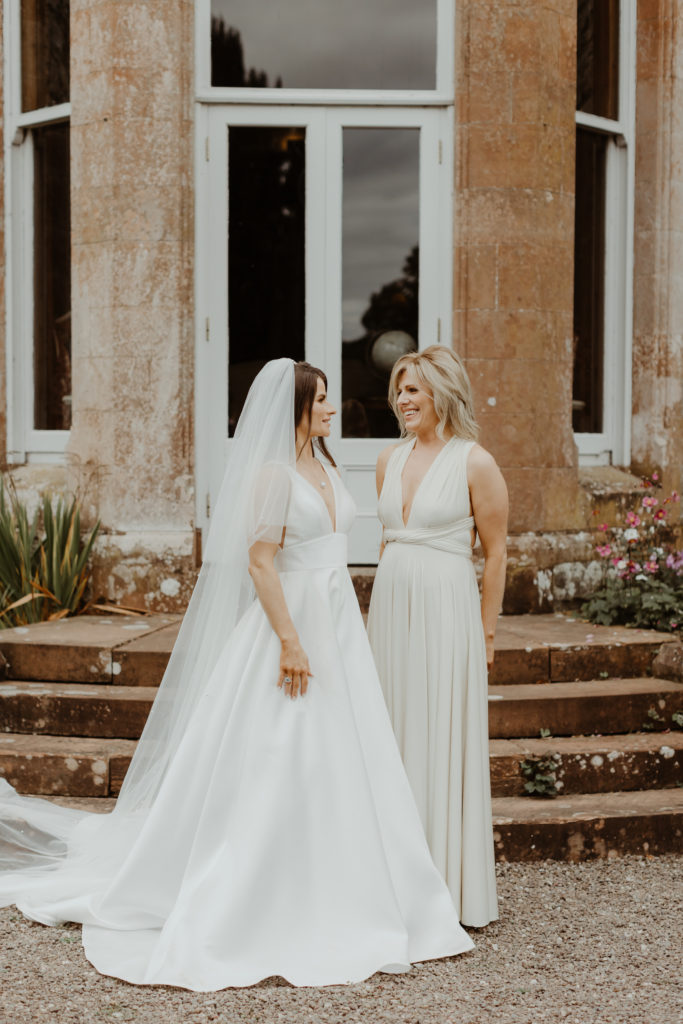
point(266, 825)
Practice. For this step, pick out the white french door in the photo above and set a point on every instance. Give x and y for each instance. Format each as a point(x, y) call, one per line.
point(311, 221)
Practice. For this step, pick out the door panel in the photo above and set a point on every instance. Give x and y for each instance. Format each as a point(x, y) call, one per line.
point(321, 235)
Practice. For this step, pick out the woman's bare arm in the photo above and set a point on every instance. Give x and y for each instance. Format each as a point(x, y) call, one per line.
point(490, 508)
point(293, 660)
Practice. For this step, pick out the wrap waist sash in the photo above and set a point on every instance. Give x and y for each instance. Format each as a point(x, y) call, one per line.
point(328, 552)
point(454, 538)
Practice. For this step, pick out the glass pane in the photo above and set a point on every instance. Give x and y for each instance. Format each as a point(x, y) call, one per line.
point(589, 280)
point(597, 58)
point(324, 44)
point(380, 270)
point(266, 228)
point(52, 278)
point(44, 53)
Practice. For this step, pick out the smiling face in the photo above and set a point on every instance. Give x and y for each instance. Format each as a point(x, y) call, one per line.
point(318, 422)
point(415, 403)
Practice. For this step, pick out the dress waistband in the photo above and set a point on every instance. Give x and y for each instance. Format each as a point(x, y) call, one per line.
point(328, 552)
point(454, 538)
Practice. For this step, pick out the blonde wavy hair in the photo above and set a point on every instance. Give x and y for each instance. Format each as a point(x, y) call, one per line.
point(441, 372)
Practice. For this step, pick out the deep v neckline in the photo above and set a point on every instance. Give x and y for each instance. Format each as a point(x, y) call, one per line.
point(333, 521)
point(430, 467)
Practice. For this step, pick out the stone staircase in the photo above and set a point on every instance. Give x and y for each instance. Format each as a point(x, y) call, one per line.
point(76, 694)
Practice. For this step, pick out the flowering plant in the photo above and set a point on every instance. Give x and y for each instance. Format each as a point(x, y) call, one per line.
point(643, 578)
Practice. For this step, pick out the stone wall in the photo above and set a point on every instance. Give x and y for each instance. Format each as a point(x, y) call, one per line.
point(514, 226)
point(658, 276)
point(132, 257)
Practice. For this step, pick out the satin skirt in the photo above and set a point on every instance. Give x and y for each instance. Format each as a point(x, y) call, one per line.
point(285, 839)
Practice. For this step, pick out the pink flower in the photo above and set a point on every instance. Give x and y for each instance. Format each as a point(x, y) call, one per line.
point(675, 496)
point(633, 519)
point(651, 566)
point(655, 476)
point(649, 501)
point(603, 527)
point(604, 550)
point(660, 513)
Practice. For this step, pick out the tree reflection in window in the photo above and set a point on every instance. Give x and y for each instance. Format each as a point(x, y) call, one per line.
point(391, 330)
point(227, 60)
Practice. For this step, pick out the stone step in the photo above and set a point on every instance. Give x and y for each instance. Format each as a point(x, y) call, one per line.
point(591, 764)
point(133, 651)
point(64, 765)
point(566, 709)
point(85, 766)
point(75, 709)
point(574, 709)
point(127, 650)
point(582, 827)
point(588, 826)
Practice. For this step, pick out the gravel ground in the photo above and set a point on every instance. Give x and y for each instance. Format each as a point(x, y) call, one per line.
point(590, 943)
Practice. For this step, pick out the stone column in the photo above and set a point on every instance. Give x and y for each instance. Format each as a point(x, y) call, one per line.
point(132, 244)
point(658, 275)
point(514, 231)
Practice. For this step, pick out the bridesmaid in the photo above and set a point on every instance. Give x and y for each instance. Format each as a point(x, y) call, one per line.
point(431, 635)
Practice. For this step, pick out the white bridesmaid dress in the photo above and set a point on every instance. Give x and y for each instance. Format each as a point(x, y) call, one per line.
point(427, 638)
point(285, 839)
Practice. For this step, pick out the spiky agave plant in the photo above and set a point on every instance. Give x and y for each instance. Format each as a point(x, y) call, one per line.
point(42, 579)
point(18, 550)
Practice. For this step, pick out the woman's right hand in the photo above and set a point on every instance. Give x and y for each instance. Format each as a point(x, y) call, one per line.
point(294, 669)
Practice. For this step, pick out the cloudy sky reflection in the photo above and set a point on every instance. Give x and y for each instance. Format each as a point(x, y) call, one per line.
point(338, 44)
point(380, 214)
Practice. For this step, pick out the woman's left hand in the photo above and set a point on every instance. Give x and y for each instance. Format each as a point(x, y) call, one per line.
point(489, 654)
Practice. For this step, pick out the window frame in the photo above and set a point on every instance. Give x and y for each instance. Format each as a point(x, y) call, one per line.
point(441, 95)
point(613, 444)
point(24, 442)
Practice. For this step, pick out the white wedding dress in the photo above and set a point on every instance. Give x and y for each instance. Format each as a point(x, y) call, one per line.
point(427, 637)
point(284, 839)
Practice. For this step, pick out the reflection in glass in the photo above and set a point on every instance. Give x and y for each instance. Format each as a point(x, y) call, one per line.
point(597, 58)
point(52, 278)
point(266, 229)
point(324, 44)
point(589, 280)
point(380, 270)
point(44, 53)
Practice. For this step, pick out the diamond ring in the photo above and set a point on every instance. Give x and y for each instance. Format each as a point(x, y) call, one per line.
point(287, 679)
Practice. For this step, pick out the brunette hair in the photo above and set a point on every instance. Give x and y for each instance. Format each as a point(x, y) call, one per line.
point(442, 373)
point(305, 388)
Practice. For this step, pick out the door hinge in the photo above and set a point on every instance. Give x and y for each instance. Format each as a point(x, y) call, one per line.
point(208, 505)
point(207, 151)
point(207, 329)
point(440, 151)
point(438, 331)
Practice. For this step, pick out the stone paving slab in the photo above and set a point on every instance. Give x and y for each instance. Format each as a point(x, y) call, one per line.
point(592, 764)
point(142, 661)
point(64, 765)
point(574, 709)
point(562, 648)
point(75, 709)
point(80, 649)
point(588, 826)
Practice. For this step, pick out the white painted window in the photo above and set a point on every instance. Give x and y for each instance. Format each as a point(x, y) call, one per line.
point(603, 293)
point(352, 184)
point(37, 226)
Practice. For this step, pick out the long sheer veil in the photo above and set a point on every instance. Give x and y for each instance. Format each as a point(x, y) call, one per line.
point(54, 850)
